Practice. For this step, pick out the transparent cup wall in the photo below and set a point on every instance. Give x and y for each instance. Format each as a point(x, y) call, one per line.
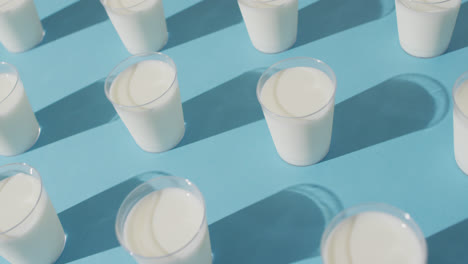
point(460, 122)
point(198, 250)
point(425, 28)
point(156, 126)
point(141, 27)
point(37, 238)
point(300, 141)
point(19, 129)
point(20, 26)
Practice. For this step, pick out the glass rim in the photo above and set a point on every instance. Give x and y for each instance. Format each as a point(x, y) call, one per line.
point(405, 217)
point(13, 88)
point(103, 2)
point(427, 3)
point(460, 80)
point(108, 83)
point(272, 67)
point(119, 212)
point(38, 197)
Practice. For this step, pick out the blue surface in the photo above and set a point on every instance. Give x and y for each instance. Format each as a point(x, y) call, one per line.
point(392, 138)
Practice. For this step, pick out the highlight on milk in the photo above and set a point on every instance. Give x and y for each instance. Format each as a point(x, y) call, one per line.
point(145, 93)
point(141, 24)
point(30, 230)
point(20, 26)
point(460, 122)
point(373, 233)
point(271, 24)
point(425, 27)
point(163, 221)
point(19, 129)
point(297, 98)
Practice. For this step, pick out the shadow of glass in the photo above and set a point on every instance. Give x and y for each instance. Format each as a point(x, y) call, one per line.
point(203, 18)
point(396, 107)
point(449, 246)
point(459, 39)
point(327, 17)
point(71, 19)
point(78, 112)
point(96, 233)
point(228, 106)
point(279, 229)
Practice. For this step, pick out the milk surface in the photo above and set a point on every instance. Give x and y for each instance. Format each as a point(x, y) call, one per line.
point(373, 237)
point(19, 129)
point(30, 231)
point(20, 26)
point(425, 27)
point(460, 126)
point(165, 222)
point(302, 139)
point(271, 25)
point(141, 24)
point(153, 112)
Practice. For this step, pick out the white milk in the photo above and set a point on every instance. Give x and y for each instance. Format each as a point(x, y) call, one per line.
point(141, 24)
point(425, 27)
point(296, 93)
point(460, 126)
point(164, 222)
point(156, 125)
point(40, 237)
point(20, 26)
point(272, 25)
point(19, 129)
point(371, 238)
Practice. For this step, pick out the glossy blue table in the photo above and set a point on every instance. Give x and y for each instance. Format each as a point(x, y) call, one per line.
point(392, 137)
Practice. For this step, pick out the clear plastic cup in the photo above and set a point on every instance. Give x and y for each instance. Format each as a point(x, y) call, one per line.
point(425, 27)
point(38, 236)
point(140, 25)
point(460, 121)
point(19, 129)
point(196, 249)
point(301, 140)
point(20, 26)
point(150, 104)
point(272, 24)
point(373, 233)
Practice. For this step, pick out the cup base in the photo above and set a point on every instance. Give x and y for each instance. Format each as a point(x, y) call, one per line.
point(167, 149)
point(28, 148)
point(31, 47)
point(421, 54)
point(305, 164)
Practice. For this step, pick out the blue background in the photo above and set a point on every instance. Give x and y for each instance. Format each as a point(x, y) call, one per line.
point(392, 137)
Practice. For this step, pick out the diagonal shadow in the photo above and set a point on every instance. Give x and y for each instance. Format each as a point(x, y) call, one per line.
point(449, 246)
point(283, 228)
point(459, 39)
point(203, 18)
point(228, 106)
point(327, 17)
point(78, 112)
point(90, 224)
point(396, 107)
point(73, 18)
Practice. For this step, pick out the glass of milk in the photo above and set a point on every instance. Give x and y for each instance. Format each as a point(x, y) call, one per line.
point(297, 96)
point(271, 24)
point(425, 27)
point(460, 122)
point(145, 93)
point(141, 24)
point(30, 230)
point(20, 26)
point(19, 129)
point(163, 221)
point(373, 233)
